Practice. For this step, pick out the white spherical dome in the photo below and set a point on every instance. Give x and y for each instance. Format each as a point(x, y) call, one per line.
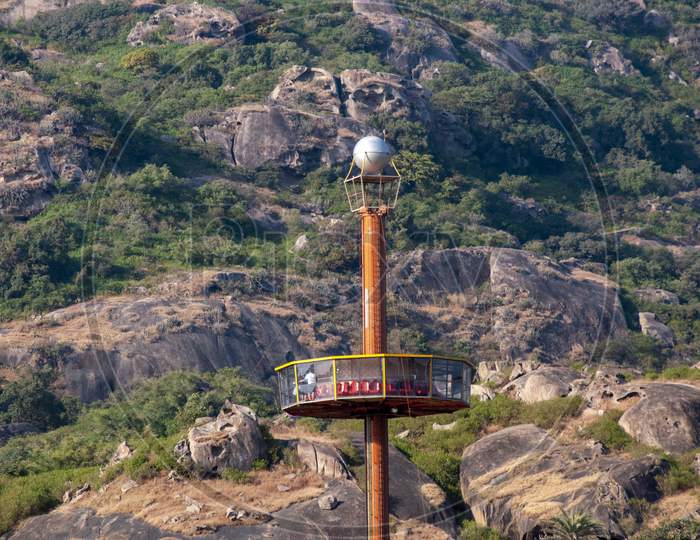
point(372, 154)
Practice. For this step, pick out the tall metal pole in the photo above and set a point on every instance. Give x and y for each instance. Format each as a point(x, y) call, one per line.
point(373, 251)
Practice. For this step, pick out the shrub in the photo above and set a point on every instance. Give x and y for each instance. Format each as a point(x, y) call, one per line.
point(573, 527)
point(236, 476)
point(680, 477)
point(358, 35)
point(681, 372)
point(639, 508)
point(441, 467)
point(201, 72)
point(682, 529)
point(31, 400)
point(607, 430)
point(547, 414)
point(140, 60)
point(29, 495)
point(472, 531)
point(83, 27)
point(12, 56)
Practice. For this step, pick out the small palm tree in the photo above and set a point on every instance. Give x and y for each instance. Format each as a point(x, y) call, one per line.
point(573, 527)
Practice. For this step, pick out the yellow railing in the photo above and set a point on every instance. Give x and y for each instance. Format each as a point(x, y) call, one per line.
point(375, 380)
point(383, 355)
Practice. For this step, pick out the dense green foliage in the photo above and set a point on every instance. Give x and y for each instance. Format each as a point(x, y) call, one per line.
point(682, 529)
point(30, 399)
point(35, 469)
point(21, 497)
point(84, 27)
point(146, 223)
point(12, 56)
point(158, 408)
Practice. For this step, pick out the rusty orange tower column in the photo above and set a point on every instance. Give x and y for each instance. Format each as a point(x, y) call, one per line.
point(373, 251)
point(350, 386)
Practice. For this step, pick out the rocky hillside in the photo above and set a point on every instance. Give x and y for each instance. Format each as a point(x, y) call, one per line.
point(173, 226)
point(500, 303)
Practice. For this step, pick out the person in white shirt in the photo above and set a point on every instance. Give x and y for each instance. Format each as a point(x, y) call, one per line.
point(309, 383)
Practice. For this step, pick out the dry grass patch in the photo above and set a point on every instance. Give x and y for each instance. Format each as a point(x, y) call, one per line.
point(170, 505)
point(673, 507)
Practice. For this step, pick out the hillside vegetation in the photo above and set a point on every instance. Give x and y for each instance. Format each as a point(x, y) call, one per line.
point(139, 140)
point(556, 157)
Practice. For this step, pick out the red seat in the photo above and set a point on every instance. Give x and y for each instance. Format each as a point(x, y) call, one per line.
point(342, 388)
point(353, 388)
point(323, 390)
point(375, 387)
point(364, 387)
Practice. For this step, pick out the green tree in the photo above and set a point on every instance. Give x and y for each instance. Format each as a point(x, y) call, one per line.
point(573, 527)
point(12, 56)
point(31, 400)
point(643, 177)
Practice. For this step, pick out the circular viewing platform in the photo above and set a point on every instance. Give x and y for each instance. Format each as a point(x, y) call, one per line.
point(389, 384)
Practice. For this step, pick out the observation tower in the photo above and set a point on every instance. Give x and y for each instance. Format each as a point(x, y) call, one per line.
point(375, 385)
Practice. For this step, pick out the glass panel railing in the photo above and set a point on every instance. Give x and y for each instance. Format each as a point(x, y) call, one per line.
point(358, 377)
point(287, 387)
point(315, 380)
point(407, 376)
point(450, 379)
point(370, 376)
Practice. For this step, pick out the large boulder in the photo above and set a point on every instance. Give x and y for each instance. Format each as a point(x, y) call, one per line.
point(516, 479)
point(255, 136)
point(510, 299)
point(656, 296)
point(367, 93)
point(667, 416)
point(608, 59)
point(189, 23)
point(341, 105)
point(546, 306)
point(426, 276)
point(36, 152)
point(505, 53)
point(308, 89)
point(656, 329)
point(311, 118)
point(545, 383)
point(416, 45)
point(322, 459)
point(209, 320)
point(232, 440)
point(202, 321)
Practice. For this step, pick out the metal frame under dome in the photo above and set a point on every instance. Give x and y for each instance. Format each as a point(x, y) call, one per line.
point(357, 188)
